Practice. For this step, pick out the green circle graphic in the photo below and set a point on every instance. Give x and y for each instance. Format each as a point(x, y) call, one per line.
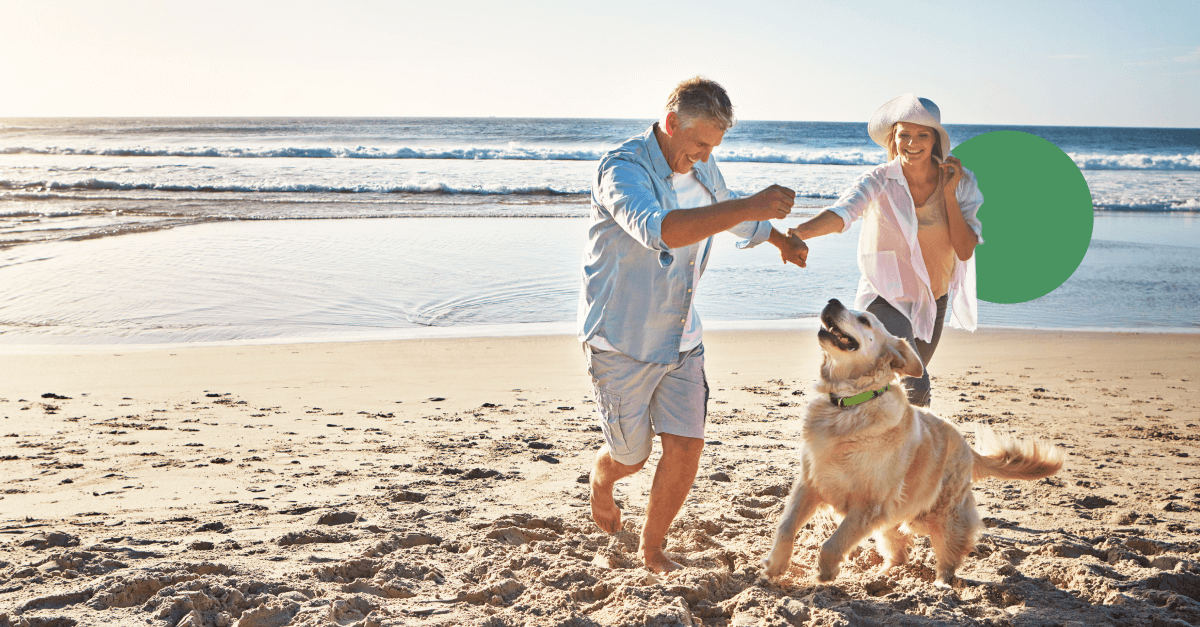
point(1036, 215)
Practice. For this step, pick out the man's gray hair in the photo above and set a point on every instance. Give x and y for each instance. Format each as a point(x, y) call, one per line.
point(699, 98)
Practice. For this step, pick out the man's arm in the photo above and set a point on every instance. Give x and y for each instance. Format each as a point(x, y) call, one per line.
point(684, 227)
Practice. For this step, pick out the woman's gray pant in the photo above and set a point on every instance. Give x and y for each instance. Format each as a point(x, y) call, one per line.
point(899, 325)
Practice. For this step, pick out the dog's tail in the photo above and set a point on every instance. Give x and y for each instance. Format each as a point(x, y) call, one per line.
point(1004, 457)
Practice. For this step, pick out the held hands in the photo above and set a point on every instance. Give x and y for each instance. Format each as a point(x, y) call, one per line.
point(794, 250)
point(772, 203)
point(953, 167)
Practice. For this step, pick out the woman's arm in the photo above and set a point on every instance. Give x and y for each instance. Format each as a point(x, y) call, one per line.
point(823, 223)
point(962, 237)
point(848, 207)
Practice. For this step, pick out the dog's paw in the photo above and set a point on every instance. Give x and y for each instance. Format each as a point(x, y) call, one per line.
point(828, 575)
point(775, 565)
point(829, 567)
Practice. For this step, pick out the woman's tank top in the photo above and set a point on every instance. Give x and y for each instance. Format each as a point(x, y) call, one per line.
point(933, 234)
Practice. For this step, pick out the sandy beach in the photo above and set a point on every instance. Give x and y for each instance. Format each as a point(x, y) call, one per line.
point(443, 482)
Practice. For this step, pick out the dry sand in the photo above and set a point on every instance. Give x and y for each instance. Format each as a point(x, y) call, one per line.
point(441, 483)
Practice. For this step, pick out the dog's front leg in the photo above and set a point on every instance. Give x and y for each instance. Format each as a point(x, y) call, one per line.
point(800, 507)
point(858, 524)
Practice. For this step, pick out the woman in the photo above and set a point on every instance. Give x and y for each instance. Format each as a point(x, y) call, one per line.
point(919, 231)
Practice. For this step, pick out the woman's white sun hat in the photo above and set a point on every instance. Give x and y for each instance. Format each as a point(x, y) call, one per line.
point(908, 108)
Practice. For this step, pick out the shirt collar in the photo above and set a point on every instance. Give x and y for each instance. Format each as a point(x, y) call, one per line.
point(894, 169)
point(657, 159)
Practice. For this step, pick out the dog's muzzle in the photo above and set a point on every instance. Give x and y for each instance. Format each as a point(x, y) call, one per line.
point(831, 332)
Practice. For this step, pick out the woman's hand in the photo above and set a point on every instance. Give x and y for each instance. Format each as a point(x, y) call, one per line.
point(953, 168)
point(962, 237)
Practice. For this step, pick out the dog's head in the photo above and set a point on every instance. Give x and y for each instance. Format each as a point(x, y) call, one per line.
point(859, 352)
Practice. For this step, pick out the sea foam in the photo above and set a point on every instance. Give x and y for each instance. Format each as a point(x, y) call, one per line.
point(416, 187)
point(1136, 162)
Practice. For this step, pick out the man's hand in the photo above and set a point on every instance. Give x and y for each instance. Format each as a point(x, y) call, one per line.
point(791, 248)
point(772, 203)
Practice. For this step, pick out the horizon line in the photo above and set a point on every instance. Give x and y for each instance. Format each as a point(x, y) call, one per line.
point(499, 117)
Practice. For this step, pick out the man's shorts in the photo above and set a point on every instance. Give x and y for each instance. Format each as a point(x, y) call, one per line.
point(637, 399)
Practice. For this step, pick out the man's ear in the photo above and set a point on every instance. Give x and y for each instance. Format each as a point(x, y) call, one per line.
point(671, 123)
point(904, 359)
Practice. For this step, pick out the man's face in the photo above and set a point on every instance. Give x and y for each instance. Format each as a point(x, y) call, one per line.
point(685, 146)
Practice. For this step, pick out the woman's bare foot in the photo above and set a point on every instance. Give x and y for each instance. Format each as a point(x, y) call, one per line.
point(657, 562)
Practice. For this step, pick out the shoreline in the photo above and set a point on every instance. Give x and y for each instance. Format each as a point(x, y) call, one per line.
point(538, 329)
point(133, 221)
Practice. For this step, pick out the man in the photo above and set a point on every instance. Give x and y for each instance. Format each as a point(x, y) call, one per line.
point(657, 200)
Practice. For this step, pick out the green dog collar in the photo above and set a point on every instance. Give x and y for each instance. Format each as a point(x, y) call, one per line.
point(850, 401)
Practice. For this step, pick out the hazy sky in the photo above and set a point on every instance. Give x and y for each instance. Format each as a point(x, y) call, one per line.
point(1040, 62)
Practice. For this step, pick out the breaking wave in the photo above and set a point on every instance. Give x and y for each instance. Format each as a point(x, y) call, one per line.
point(516, 152)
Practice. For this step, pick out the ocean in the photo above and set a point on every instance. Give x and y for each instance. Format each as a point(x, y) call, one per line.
point(162, 231)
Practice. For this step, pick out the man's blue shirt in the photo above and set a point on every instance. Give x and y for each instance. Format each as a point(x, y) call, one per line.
point(636, 290)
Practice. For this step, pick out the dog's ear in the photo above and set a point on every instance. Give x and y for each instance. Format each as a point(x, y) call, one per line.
point(904, 359)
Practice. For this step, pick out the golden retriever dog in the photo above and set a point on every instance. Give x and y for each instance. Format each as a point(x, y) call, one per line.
point(886, 466)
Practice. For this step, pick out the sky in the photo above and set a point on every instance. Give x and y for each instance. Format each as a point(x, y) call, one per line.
point(1047, 62)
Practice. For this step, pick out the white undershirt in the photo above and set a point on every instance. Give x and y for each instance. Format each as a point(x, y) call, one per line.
point(690, 193)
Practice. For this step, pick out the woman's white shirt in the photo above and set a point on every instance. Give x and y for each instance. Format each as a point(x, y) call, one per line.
point(889, 254)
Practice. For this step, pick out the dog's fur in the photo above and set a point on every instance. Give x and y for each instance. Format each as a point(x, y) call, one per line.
point(886, 466)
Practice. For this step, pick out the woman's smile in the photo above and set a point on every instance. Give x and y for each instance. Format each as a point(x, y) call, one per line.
point(914, 141)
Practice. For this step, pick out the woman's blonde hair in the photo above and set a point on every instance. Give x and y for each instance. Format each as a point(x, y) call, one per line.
point(891, 146)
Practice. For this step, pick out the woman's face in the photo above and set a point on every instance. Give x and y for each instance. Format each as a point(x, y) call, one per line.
point(914, 142)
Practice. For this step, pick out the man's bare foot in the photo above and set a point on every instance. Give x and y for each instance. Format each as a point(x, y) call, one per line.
point(605, 474)
point(657, 562)
point(604, 509)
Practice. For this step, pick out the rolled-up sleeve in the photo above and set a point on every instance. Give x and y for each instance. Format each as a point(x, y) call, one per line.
point(752, 233)
point(969, 201)
point(854, 201)
point(624, 188)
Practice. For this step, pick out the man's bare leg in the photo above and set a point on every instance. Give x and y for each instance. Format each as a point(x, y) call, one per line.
point(673, 480)
point(605, 474)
